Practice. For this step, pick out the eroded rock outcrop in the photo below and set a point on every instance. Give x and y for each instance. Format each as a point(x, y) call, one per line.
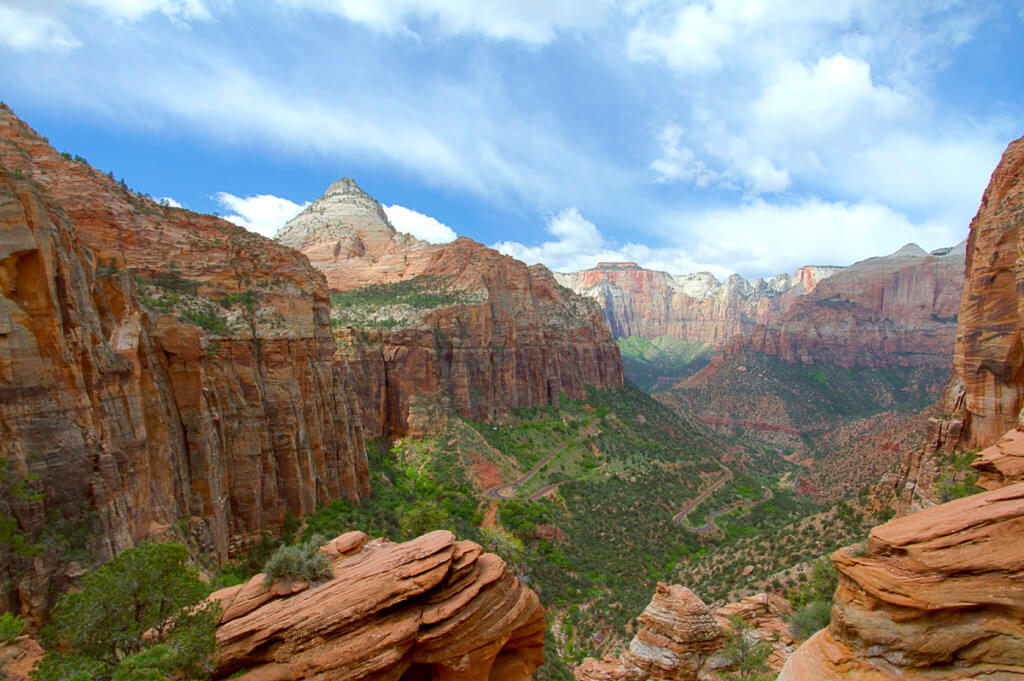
point(989, 357)
point(457, 321)
point(161, 372)
point(431, 608)
point(677, 638)
point(936, 595)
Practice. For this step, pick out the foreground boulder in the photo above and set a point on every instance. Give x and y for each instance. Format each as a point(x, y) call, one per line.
point(937, 595)
point(677, 637)
point(431, 608)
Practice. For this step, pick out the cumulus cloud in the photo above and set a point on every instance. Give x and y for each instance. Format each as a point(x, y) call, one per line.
point(755, 239)
point(168, 201)
point(419, 225)
point(528, 21)
point(263, 214)
point(579, 245)
point(134, 10)
point(23, 29)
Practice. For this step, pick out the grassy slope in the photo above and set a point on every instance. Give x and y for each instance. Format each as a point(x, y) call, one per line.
point(658, 364)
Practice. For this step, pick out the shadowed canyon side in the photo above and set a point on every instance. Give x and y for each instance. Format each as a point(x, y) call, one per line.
point(431, 608)
point(163, 373)
point(459, 320)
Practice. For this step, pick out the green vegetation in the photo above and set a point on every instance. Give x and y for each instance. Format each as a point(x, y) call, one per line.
point(813, 600)
point(958, 479)
point(300, 561)
point(11, 627)
point(661, 363)
point(137, 617)
point(743, 652)
point(388, 305)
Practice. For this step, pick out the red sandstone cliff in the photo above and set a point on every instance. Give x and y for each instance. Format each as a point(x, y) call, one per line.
point(505, 335)
point(694, 307)
point(989, 356)
point(160, 371)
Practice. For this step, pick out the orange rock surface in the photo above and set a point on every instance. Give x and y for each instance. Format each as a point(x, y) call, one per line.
point(431, 608)
point(989, 357)
point(201, 398)
point(677, 637)
point(937, 595)
point(1001, 464)
point(514, 338)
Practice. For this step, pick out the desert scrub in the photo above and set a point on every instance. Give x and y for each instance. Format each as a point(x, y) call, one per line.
point(298, 561)
point(11, 627)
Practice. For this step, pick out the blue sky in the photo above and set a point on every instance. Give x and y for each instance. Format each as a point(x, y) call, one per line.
point(748, 136)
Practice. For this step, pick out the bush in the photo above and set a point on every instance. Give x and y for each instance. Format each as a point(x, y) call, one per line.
point(810, 619)
point(502, 542)
point(424, 516)
point(143, 600)
point(11, 627)
point(299, 561)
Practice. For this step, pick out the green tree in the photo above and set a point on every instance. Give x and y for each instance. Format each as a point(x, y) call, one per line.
point(142, 611)
point(744, 653)
point(502, 542)
point(424, 516)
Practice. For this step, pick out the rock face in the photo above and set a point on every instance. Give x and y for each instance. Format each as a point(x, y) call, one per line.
point(936, 595)
point(465, 323)
point(431, 608)
point(162, 372)
point(896, 310)
point(989, 357)
point(693, 307)
point(1001, 464)
point(677, 637)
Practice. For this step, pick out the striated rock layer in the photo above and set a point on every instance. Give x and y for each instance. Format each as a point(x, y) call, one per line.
point(161, 372)
point(694, 307)
point(989, 357)
point(504, 336)
point(431, 608)
point(937, 595)
point(677, 637)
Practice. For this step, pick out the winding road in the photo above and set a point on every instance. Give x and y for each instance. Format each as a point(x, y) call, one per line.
point(496, 491)
point(710, 526)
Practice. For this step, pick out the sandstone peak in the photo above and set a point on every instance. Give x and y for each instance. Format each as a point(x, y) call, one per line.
point(344, 212)
point(910, 249)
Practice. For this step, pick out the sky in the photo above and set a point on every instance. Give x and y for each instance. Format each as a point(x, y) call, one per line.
point(749, 136)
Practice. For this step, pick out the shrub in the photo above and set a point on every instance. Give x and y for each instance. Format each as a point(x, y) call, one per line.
point(424, 516)
point(298, 561)
point(11, 627)
point(502, 542)
point(144, 599)
point(810, 619)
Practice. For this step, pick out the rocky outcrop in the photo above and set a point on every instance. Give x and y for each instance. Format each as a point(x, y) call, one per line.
point(458, 322)
point(161, 372)
point(431, 608)
point(1001, 464)
point(896, 310)
point(693, 307)
point(989, 356)
point(676, 641)
point(935, 595)
point(767, 615)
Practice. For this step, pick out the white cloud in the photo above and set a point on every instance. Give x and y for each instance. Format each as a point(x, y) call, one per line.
point(528, 21)
point(134, 10)
point(23, 29)
point(755, 239)
point(419, 225)
point(168, 201)
point(693, 42)
point(580, 245)
point(263, 214)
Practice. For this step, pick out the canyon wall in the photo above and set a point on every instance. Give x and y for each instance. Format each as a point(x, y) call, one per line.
point(162, 373)
point(989, 356)
point(458, 322)
point(693, 307)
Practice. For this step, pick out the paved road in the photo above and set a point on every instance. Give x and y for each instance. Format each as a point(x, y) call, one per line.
point(709, 526)
point(495, 492)
point(678, 517)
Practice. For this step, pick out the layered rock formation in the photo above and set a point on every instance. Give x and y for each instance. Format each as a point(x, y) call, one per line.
point(896, 310)
point(676, 641)
point(1001, 464)
point(457, 321)
point(989, 357)
point(431, 608)
point(693, 307)
point(161, 372)
point(936, 595)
